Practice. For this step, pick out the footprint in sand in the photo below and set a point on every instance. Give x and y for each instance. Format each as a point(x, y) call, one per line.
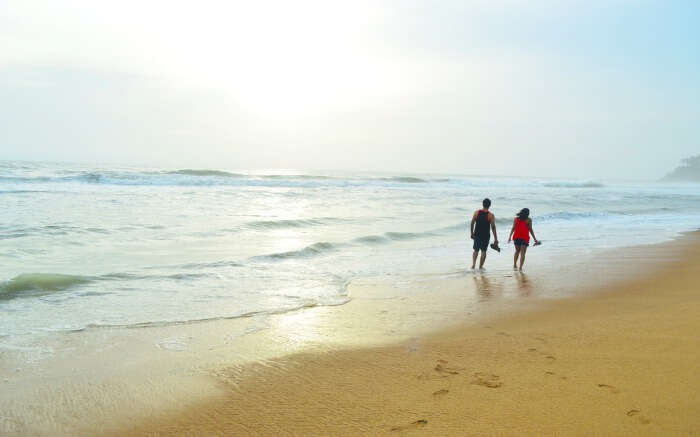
point(532, 349)
point(441, 368)
point(444, 391)
point(487, 380)
point(505, 334)
point(442, 371)
point(642, 420)
point(417, 424)
point(549, 373)
point(609, 387)
point(549, 358)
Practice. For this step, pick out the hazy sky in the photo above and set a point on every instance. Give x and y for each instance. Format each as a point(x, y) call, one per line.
point(587, 89)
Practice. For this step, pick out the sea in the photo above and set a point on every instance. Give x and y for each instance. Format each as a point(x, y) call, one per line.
point(96, 246)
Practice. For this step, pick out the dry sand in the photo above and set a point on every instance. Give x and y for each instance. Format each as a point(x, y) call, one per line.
point(624, 360)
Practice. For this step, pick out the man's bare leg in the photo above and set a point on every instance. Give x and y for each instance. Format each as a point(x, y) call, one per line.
point(523, 249)
point(476, 253)
point(483, 259)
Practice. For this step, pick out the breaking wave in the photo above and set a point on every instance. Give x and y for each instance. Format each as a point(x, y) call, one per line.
point(196, 177)
point(566, 216)
point(294, 176)
point(39, 283)
point(93, 178)
point(407, 235)
point(218, 173)
point(574, 184)
point(307, 252)
point(325, 247)
point(406, 179)
point(372, 239)
point(290, 223)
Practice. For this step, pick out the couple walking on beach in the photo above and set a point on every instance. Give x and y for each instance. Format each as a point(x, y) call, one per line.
point(484, 222)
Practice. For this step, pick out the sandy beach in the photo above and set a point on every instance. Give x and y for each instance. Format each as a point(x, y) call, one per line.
point(301, 218)
point(620, 360)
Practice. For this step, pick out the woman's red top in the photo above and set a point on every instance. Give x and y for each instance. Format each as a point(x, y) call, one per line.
point(522, 230)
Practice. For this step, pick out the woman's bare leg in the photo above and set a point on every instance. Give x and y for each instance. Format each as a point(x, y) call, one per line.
point(476, 253)
point(523, 250)
point(515, 257)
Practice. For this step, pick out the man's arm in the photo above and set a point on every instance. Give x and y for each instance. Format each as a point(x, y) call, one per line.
point(472, 226)
point(493, 228)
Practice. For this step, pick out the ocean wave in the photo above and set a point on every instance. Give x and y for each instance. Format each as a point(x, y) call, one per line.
point(462, 226)
point(40, 283)
point(326, 247)
point(215, 264)
point(90, 177)
point(138, 277)
point(405, 179)
point(411, 179)
point(48, 230)
point(641, 215)
point(307, 252)
point(11, 235)
point(25, 191)
point(197, 177)
point(396, 236)
point(294, 176)
point(371, 239)
point(226, 174)
point(408, 235)
point(217, 173)
point(26, 179)
point(290, 223)
point(646, 211)
point(303, 304)
point(85, 177)
point(566, 216)
point(573, 184)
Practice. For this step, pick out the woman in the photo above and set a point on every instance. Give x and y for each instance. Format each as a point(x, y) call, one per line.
point(521, 230)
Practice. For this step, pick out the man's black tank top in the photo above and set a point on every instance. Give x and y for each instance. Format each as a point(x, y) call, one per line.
point(481, 227)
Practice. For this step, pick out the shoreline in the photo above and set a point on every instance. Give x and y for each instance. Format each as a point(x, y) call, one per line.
point(618, 360)
point(194, 368)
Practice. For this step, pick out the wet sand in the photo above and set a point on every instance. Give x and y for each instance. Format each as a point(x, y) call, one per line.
point(621, 359)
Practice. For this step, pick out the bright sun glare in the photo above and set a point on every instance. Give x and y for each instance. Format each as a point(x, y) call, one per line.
point(278, 58)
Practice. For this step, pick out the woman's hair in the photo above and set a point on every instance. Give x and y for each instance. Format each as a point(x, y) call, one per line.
point(523, 214)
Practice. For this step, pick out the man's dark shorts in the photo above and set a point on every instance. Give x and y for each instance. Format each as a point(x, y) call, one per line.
point(481, 243)
point(521, 242)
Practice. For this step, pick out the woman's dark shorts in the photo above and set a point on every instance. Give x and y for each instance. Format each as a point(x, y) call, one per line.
point(520, 242)
point(481, 243)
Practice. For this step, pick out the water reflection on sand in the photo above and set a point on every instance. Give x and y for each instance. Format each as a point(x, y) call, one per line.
point(489, 287)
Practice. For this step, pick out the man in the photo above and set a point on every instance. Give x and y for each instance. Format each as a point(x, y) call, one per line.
point(481, 233)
